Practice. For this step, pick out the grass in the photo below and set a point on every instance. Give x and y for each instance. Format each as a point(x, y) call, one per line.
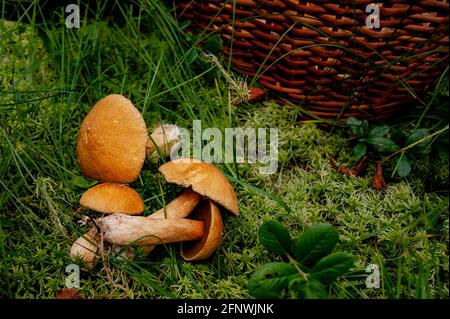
point(50, 77)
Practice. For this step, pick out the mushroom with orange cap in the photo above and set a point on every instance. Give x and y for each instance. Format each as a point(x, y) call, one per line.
point(112, 198)
point(105, 198)
point(207, 180)
point(113, 141)
point(204, 178)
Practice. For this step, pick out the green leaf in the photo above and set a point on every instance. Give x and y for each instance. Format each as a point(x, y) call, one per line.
point(269, 280)
point(422, 286)
point(355, 126)
point(275, 237)
point(81, 182)
point(383, 144)
point(214, 44)
point(364, 127)
point(417, 136)
point(443, 151)
point(433, 219)
point(308, 289)
point(315, 242)
point(442, 146)
point(329, 268)
point(403, 168)
point(359, 151)
point(378, 131)
point(189, 37)
point(192, 56)
point(184, 24)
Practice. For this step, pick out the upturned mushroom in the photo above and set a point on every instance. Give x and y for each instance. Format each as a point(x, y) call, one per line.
point(206, 212)
point(180, 207)
point(207, 180)
point(209, 214)
point(204, 178)
point(111, 198)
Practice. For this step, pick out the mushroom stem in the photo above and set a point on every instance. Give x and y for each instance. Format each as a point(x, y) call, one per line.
point(180, 207)
point(86, 248)
point(120, 229)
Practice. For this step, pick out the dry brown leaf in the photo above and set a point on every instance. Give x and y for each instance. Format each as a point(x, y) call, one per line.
point(361, 166)
point(68, 293)
point(356, 171)
point(378, 181)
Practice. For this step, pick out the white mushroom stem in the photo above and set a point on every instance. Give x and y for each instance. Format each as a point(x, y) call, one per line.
point(86, 248)
point(120, 229)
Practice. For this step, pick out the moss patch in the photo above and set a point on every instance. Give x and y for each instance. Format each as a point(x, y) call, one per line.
point(41, 186)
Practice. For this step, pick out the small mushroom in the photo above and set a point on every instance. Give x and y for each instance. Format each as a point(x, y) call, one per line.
point(113, 198)
point(86, 248)
point(120, 229)
point(112, 141)
point(204, 178)
point(163, 138)
point(209, 214)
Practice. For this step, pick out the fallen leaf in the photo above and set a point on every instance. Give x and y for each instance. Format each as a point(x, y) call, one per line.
point(378, 181)
point(361, 166)
point(341, 169)
point(68, 293)
point(356, 171)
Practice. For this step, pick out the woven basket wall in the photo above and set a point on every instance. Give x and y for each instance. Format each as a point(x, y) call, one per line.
point(322, 56)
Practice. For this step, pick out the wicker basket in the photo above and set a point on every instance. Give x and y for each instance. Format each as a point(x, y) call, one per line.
point(321, 55)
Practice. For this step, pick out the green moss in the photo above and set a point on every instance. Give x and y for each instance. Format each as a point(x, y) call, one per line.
point(39, 195)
